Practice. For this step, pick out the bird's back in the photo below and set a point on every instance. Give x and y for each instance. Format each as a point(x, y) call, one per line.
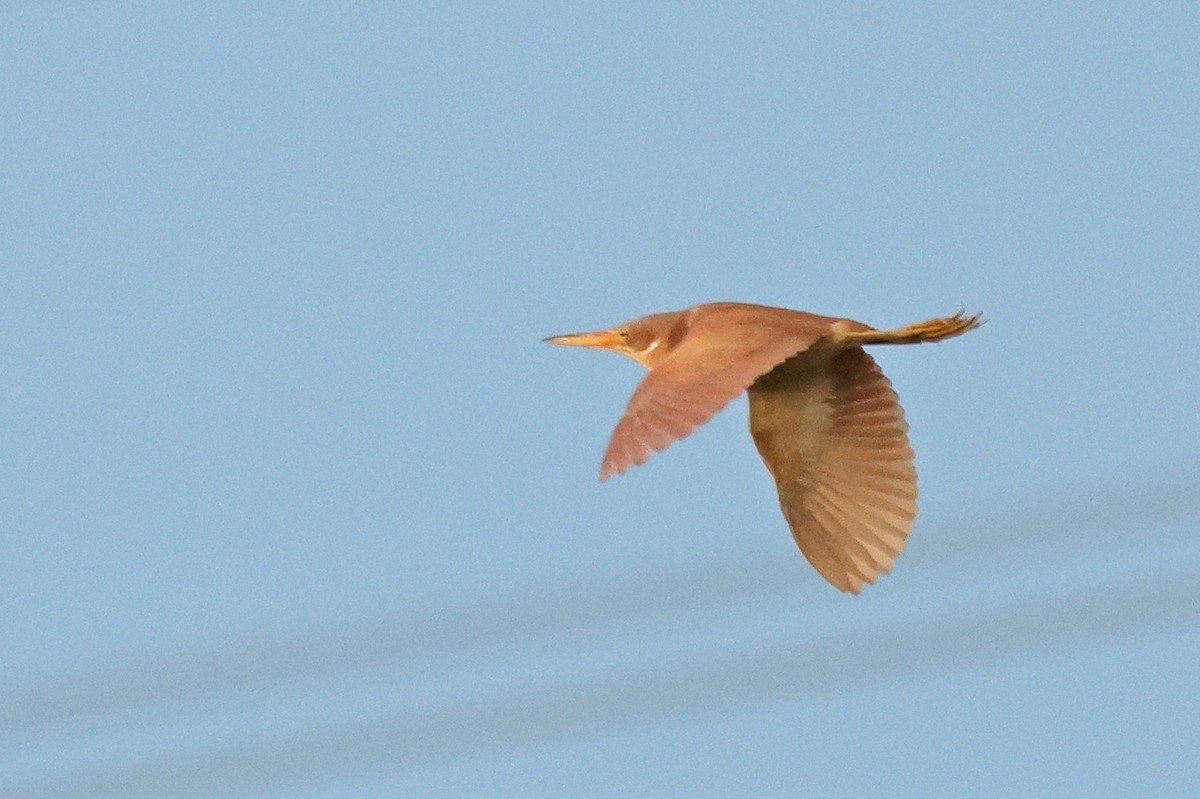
point(721, 330)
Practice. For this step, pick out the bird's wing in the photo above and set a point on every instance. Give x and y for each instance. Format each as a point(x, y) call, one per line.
point(679, 396)
point(830, 429)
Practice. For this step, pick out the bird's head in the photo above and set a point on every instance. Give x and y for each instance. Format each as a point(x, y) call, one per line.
point(647, 340)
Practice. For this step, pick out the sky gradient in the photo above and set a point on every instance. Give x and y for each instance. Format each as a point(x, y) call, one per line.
point(294, 503)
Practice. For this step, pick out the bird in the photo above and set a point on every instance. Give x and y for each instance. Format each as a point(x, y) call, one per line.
point(824, 418)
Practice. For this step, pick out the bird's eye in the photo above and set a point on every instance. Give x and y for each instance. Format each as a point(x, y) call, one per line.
point(623, 333)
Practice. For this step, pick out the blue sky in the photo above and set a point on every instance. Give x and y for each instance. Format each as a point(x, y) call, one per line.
point(293, 501)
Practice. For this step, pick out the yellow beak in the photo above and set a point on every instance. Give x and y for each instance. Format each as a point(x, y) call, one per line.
point(600, 339)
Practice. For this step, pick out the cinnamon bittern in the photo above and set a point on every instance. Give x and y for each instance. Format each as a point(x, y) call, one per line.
point(823, 416)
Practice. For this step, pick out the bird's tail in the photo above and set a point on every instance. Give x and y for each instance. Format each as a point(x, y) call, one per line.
point(929, 330)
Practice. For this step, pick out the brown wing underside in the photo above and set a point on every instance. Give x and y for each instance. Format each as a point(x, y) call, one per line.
point(831, 431)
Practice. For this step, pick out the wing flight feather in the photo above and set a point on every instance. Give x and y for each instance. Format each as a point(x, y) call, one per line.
point(830, 429)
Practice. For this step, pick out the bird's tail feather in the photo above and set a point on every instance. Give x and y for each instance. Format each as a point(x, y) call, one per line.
point(930, 330)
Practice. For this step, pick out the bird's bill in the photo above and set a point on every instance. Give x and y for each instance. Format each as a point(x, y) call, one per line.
point(600, 339)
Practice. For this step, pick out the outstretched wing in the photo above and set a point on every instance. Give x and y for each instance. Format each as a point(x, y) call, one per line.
point(831, 431)
point(726, 348)
point(668, 405)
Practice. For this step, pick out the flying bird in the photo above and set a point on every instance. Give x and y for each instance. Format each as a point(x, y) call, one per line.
point(825, 420)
